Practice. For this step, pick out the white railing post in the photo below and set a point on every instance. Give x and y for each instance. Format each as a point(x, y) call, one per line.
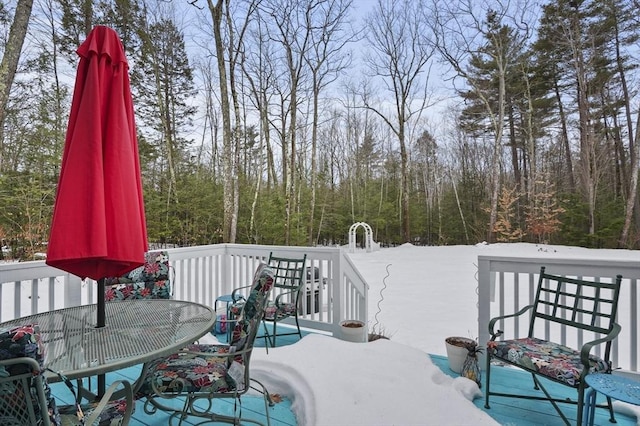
point(73, 290)
point(485, 293)
point(225, 272)
point(338, 284)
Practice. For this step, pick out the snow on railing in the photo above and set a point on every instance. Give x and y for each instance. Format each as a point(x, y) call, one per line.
point(507, 284)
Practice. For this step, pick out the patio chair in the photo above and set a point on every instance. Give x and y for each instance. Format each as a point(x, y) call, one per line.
point(201, 373)
point(587, 307)
point(149, 281)
point(288, 273)
point(26, 397)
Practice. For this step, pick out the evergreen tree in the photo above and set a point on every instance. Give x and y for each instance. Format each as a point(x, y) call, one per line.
point(162, 80)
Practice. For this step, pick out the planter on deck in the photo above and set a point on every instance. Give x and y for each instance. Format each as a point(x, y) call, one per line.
point(353, 331)
point(457, 351)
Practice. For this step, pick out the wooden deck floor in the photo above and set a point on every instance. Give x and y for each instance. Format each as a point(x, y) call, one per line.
point(506, 411)
point(524, 412)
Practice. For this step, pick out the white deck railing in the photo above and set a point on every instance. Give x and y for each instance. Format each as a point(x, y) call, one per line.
point(507, 284)
point(201, 274)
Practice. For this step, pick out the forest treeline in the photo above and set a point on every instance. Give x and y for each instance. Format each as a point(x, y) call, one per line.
point(285, 121)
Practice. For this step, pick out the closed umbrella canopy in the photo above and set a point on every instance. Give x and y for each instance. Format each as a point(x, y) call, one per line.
point(98, 227)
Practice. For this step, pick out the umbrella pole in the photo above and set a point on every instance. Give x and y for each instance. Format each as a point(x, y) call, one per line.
point(101, 308)
point(101, 323)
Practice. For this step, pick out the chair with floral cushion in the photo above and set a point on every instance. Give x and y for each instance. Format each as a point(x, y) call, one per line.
point(26, 397)
point(588, 307)
point(289, 280)
point(149, 281)
point(205, 372)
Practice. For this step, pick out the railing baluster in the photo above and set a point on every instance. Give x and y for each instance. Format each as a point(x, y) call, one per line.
point(624, 351)
point(204, 272)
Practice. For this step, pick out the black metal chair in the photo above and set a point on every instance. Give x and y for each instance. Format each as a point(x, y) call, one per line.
point(289, 276)
point(590, 308)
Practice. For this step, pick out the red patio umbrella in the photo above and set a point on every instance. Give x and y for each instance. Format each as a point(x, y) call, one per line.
point(98, 227)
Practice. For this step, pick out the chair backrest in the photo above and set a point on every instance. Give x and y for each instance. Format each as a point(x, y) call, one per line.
point(149, 281)
point(248, 321)
point(289, 273)
point(587, 305)
point(25, 396)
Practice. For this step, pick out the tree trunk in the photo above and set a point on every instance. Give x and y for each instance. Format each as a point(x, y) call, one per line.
point(565, 137)
point(497, 149)
point(227, 142)
point(404, 179)
point(633, 190)
point(11, 57)
point(235, 188)
point(632, 185)
point(314, 142)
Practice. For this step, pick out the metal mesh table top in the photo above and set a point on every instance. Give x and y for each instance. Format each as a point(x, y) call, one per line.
point(617, 387)
point(136, 331)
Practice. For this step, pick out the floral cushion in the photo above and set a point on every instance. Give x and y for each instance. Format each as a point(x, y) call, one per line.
point(206, 368)
point(18, 342)
point(549, 359)
point(273, 312)
point(197, 368)
point(235, 309)
point(149, 281)
point(25, 341)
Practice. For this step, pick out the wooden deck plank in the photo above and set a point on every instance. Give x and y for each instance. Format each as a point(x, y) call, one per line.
point(526, 412)
point(506, 411)
point(252, 406)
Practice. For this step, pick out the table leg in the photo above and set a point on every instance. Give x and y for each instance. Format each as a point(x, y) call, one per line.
point(102, 385)
point(87, 392)
point(589, 409)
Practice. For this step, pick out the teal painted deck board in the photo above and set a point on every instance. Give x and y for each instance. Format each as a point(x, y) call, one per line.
point(252, 406)
point(525, 412)
point(506, 411)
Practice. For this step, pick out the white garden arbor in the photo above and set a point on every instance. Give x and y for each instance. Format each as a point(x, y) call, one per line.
point(369, 244)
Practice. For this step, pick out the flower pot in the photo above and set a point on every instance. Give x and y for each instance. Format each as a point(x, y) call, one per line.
point(353, 331)
point(457, 352)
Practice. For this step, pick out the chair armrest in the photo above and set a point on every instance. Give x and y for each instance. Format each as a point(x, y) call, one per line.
point(586, 348)
point(286, 293)
point(243, 353)
point(30, 362)
point(112, 393)
point(492, 323)
point(219, 354)
point(128, 392)
point(235, 294)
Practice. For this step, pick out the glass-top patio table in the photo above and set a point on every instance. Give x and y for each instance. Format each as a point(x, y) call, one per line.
point(136, 331)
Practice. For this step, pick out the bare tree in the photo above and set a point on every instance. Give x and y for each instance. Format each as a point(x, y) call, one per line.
point(401, 55)
point(258, 71)
point(228, 168)
point(11, 57)
point(326, 60)
point(236, 35)
point(291, 30)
